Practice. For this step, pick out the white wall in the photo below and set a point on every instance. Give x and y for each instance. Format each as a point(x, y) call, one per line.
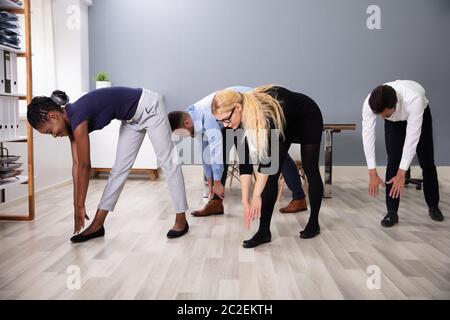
point(72, 46)
point(60, 60)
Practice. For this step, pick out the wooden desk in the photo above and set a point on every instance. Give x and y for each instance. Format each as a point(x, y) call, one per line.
point(330, 129)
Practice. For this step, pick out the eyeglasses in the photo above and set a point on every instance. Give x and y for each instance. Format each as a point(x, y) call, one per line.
point(227, 120)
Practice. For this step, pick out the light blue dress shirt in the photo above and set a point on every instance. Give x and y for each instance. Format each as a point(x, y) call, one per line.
point(208, 130)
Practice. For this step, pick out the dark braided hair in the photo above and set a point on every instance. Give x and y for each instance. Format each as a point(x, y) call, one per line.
point(38, 110)
point(39, 107)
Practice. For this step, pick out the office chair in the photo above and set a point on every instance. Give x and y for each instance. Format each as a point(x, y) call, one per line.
point(417, 182)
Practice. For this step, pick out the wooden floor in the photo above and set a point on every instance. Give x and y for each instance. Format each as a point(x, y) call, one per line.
point(135, 260)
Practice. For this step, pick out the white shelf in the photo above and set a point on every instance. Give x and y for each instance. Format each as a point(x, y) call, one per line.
point(6, 4)
point(9, 182)
point(16, 139)
point(13, 50)
point(15, 95)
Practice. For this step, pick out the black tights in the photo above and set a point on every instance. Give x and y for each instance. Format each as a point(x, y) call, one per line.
point(310, 161)
point(228, 140)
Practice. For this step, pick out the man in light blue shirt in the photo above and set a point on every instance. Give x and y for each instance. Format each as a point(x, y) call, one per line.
point(199, 122)
point(209, 130)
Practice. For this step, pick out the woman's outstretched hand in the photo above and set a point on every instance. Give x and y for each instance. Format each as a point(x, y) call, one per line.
point(218, 189)
point(247, 218)
point(210, 190)
point(79, 216)
point(255, 207)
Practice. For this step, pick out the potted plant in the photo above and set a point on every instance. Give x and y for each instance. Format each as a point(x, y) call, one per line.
point(102, 80)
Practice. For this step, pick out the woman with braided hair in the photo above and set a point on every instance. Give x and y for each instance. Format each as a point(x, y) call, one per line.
point(141, 112)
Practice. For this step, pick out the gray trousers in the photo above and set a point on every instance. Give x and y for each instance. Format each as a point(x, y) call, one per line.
point(151, 119)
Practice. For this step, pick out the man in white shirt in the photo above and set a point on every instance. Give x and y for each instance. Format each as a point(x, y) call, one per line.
point(408, 129)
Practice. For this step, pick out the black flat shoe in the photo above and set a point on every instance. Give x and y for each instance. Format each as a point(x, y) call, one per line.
point(176, 234)
point(390, 219)
point(309, 234)
point(436, 214)
point(85, 237)
point(256, 241)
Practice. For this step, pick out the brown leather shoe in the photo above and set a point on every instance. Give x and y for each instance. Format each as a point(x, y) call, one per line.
point(213, 207)
point(295, 206)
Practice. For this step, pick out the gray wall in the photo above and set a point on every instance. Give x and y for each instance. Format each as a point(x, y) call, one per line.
point(186, 49)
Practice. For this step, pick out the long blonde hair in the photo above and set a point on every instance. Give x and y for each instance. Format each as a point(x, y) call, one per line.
point(259, 109)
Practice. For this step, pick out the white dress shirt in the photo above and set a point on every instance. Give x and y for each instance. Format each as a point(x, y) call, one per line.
point(410, 107)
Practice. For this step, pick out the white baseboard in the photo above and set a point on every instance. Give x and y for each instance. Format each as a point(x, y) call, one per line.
point(443, 171)
point(37, 192)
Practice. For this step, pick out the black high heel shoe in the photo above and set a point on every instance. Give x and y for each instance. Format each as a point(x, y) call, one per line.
point(85, 237)
point(176, 234)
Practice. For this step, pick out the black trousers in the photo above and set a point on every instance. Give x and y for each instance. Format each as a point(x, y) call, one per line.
point(395, 134)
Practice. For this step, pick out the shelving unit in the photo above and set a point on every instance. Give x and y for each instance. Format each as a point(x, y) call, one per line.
point(2, 47)
point(15, 95)
point(12, 7)
point(9, 5)
point(5, 183)
point(16, 139)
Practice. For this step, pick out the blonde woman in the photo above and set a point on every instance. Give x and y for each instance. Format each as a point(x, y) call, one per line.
point(295, 118)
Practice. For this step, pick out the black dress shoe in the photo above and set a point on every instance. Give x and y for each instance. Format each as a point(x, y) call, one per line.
point(436, 214)
point(256, 241)
point(176, 234)
point(85, 237)
point(390, 219)
point(306, 234)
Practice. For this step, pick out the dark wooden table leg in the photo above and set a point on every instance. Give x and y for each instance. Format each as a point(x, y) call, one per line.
point(328, 164)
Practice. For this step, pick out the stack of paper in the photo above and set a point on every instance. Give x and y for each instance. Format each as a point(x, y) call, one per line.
point(8, 166)
point(9, 30)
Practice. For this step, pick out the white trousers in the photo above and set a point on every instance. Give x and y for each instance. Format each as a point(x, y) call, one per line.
point(151, 119)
